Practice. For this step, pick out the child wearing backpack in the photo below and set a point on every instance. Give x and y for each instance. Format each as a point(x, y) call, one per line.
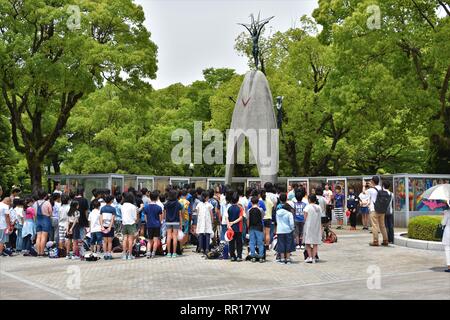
point(73, 231)
point(107, 223)
point(63, 220)
point(29, 227)
point(299, 219)
point(153, 217)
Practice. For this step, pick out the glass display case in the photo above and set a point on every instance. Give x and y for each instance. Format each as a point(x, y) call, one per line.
point(213, 183)
point(334, 182)
point(408, 189)
point(356, 184)
point(417, 186)
point(198, 183)
point(94, 183)
point(254, 184)
point(400, 194)
point(315, 182)
point(116, 185)
point(161, 183)
point(145, 182)
point(129, 182)
point(179, 182)
point(301, 182)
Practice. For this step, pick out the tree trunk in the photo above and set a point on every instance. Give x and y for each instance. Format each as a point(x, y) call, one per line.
point(439, 160)
point(307, 159)
point(56, 164)
point(35, 171)
point(291, 153)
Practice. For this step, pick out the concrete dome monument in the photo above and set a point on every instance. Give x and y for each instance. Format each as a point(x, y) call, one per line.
point(254, 119)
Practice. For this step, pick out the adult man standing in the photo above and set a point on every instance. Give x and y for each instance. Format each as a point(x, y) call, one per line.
point(328, 196)
point(84, 212)
point(377, 216)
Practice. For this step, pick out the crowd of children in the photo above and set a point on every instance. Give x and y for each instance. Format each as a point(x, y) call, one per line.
point(166, 223)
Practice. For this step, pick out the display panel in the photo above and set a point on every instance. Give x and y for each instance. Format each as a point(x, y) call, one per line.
point(145, 183)
point(178, 182)
point(417, 187)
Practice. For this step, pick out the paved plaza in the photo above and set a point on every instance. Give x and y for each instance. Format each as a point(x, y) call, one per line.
point(348, 269)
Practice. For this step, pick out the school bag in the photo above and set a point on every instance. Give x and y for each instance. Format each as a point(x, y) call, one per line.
point(90, 257)
point(53, 253)
point(117, 247)
point(62, 253)
point(216, 252)
point(383, 201)
point(33, 252)
point(139, 249)
point(331, 237)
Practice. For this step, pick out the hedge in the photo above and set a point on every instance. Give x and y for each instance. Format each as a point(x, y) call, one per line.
point(424, 227)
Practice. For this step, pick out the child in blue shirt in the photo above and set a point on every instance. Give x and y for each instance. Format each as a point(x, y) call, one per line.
point(339, 198)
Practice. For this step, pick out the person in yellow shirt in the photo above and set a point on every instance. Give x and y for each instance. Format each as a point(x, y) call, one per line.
point(185, 213)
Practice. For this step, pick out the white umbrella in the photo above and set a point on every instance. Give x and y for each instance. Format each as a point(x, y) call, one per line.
point(439, 192)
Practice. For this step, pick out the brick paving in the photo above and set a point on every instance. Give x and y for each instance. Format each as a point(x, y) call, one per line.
point(342, 273)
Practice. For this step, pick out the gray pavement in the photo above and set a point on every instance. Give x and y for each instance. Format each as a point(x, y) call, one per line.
point(349, 269)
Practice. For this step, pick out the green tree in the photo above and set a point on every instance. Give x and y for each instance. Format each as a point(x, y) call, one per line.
point(49, 62)
point(411, 51)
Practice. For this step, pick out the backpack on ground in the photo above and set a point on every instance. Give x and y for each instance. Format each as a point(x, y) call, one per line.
point(115, 242)
point(89, 256)
point(53, 253)
point(331, 236)
point(139, 249)
point(216, 252)
point(33, 252)
point(383, 201)
point(62, 252)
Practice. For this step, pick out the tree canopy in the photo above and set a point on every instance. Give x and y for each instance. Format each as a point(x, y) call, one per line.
point(357, 99)
point(48, 63)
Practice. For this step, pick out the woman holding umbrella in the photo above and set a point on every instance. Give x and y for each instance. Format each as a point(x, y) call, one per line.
point(446, 237)
point(442, 192)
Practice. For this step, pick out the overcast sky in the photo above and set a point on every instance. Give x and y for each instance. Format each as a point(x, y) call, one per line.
point(193, 35)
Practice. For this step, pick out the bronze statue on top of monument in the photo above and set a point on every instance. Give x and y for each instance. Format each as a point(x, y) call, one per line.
point(255, 28)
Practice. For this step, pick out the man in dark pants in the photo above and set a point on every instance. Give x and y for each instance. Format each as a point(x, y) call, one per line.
point(389, 216)
point(352, 203)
